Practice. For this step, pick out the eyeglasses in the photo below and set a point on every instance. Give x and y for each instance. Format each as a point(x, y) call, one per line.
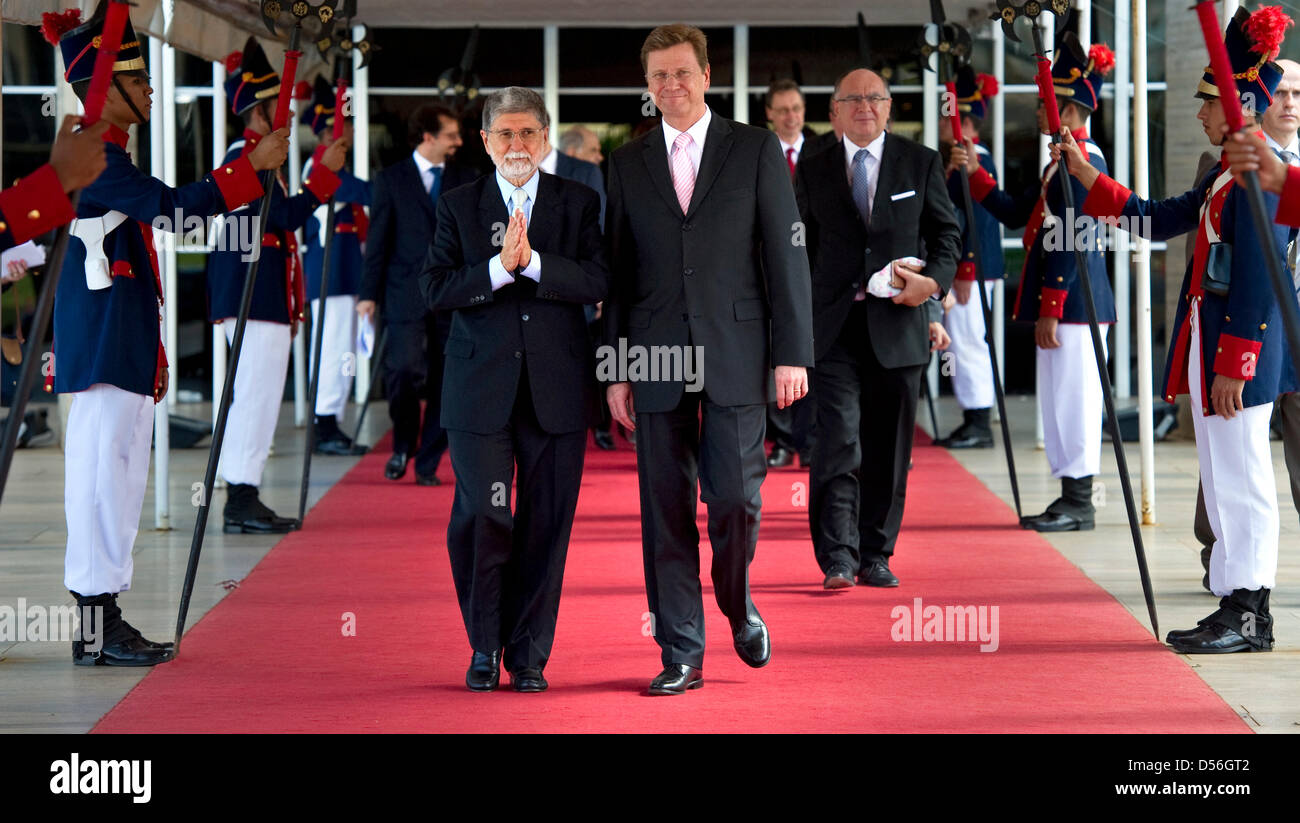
point(683, 76)
point(873, 100)
point(506, 136)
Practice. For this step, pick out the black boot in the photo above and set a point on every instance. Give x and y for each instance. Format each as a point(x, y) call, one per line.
point(975, 431)
point(1072, 511)
point(330, 439)
point(1241, 624)
point(246, 514)
point(106, 639)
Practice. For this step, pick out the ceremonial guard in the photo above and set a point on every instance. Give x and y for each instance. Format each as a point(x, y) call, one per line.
point(1229, 349)
point(346, 265)
point(1050, 295)
point(107, 340)
point(278, 295)
point(972, 372)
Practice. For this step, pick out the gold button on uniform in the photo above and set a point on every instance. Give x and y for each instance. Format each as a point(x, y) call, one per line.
point(229, 170)
point(33, 215)
point(1262, 326)
point(4, 226)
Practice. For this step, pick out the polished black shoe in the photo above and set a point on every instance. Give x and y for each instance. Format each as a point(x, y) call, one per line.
point(604, 440)
point(975, 432)
point(677, 678)
point(878, 574)
point(840, 576)
point(244, 513)
point(395, 468)
point(1213, 638)
point(780, 457)
point(528, 680)
point(339, 446)
point(484, 672)
point(752, 642)
point(1050, 521)
point(427, 480)
point(129, 651)
point(105, 639)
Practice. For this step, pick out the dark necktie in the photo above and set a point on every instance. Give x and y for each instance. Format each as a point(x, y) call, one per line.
point(436, 188)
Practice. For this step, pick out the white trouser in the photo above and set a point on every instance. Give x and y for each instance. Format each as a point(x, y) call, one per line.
point(106, 469)
point(972, 373)
point(336, 352)
point(259, 386)
point(1240, 491)
point(1070, 393)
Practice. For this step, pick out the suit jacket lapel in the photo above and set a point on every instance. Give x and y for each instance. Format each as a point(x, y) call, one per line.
point(491, 208)
point(544, 222)
point(717, 143)
point(656, 160)
point(417, 183)
point(885, 183)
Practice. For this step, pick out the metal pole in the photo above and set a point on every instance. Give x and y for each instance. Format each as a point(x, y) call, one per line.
point(1044, 157)
point(218, 152)
point(361, 168)
point(301, 414)
point(999, 160)
point(740, 71)
point(930, 137)
point(1120, 352)
point(158, 166)
point(1142, 257)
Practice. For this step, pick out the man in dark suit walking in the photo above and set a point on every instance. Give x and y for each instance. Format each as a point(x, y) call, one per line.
point(516, 257)
point(402, 224)
point(703, 233)
point(882, 239)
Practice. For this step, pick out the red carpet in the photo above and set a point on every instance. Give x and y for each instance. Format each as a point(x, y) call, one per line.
point(272, 657)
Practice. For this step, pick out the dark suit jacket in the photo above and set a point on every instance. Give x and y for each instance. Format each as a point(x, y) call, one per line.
point(494, 333)
point(402, 226)
point(727, 276)
point(588, 174)
point(844, 252)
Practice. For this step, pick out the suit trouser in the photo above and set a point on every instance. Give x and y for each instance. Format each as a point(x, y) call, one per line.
point(972, 375)
point(1238, 484)
point(337, 352)
point(1070, 392)
point(508, 569)
point(255, 406)
point(866, 419)
point(721, 449)
point(413, 364)
point(106, 469)
point(793, 427)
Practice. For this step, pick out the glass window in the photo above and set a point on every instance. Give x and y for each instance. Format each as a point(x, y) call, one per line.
point(504, 57)
point(612, 57)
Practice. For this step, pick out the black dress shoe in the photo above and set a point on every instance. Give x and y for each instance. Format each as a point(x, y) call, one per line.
point(339, 446)
point(395, 468)
point(128, 651)
point(1213, 638)
point(108, 640)
point(752, 642)
point(780, 458)
point(528, 680)
point(677, 678)
point(1050, 521)
point(427, 480)
point(967, 438)
point(484, 672)
point(878, 574)
point(605, 440)
point(840, 576)
point(245, 513)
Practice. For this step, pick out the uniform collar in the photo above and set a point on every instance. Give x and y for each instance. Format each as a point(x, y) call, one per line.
point(116, 136)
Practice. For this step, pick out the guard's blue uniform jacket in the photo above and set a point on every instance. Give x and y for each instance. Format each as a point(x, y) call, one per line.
point(351, 225)
point(1049, 282)
point(991, 266)
point(106, 314)
point(278, 294)
point(1241, 332)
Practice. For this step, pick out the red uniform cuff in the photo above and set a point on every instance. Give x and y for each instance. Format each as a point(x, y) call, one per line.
point(34, 205)
point(1106, 198)
point(981, 183)
point(1237, 357)
point(1053, 303)
point(1288, 208)
point(966, 270)
point(238, 182)
point(322, 182)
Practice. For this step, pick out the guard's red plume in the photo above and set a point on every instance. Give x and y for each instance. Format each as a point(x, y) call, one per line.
point(302, 91)
point(988, 85)
point(1265, 28)
point(233, 60)
point(1102, 58)
point(54, 25)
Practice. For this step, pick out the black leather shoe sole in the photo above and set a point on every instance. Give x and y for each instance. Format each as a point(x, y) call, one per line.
point(338, 448)
point(664, 690)
point(1185, 648)
point(838, 580)
point(965, 442)
point(430, 480)
point(108, 657)
point(1049, 522)
point(259, 527)
point(528, 683)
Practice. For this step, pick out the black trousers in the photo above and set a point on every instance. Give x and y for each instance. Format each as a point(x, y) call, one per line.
point(508, 568)
point(866, 416)
point(721, 449)
point(413, 372)
point(793, 428)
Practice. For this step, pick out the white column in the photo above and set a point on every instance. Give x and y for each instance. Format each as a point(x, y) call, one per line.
point(219, 108)
point(930, 137)
point(740, 72)
point(1142, 256)
point(1084, 9)
point(1120, 259)
point(1229, 8)
point(551, 78)
point(300, 410)
point(158, 168)
point(361, 168)
point(999, 160)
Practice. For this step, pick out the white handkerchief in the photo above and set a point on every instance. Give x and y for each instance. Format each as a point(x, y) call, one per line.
point(366, 336)
point(879, 284)
point(903, 194)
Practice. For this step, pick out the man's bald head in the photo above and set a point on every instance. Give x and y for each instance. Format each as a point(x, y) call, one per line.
point(861, 105)
point(1282, 117)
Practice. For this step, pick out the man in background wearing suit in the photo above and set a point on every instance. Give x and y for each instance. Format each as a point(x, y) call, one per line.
point(872, 209)
point(702, 230)
point(582, 143)
point(517, 391)
point(402, 224)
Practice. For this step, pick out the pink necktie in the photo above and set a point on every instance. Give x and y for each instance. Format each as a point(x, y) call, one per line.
point(683, 171)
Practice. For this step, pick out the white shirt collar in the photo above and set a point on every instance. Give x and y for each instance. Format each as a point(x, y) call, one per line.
point(549, 162)
point(1293, 147)
point(696, 131)
point(875, 147)
point(424, 166)
point(508, 190)
point(797, 145)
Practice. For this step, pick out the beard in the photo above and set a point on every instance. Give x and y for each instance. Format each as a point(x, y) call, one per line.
point(517, 164)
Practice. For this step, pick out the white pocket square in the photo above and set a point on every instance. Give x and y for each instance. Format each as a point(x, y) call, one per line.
point(903, 195)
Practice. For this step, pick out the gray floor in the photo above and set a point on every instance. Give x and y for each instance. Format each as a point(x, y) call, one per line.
point(40, 691)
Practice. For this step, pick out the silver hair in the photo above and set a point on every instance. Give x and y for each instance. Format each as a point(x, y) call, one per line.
point(572, 139)
point(514, 100)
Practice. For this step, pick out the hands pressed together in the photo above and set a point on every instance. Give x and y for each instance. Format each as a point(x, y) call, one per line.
point(516, 252)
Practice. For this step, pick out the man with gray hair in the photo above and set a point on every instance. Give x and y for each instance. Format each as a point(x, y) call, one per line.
point(515, 258)
point(583, 144)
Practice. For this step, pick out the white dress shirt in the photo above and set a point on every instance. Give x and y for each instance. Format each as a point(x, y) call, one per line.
point(426, 170)
point(797, 145)
point(697, 133)
point(533, 269)
point(549, 162)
